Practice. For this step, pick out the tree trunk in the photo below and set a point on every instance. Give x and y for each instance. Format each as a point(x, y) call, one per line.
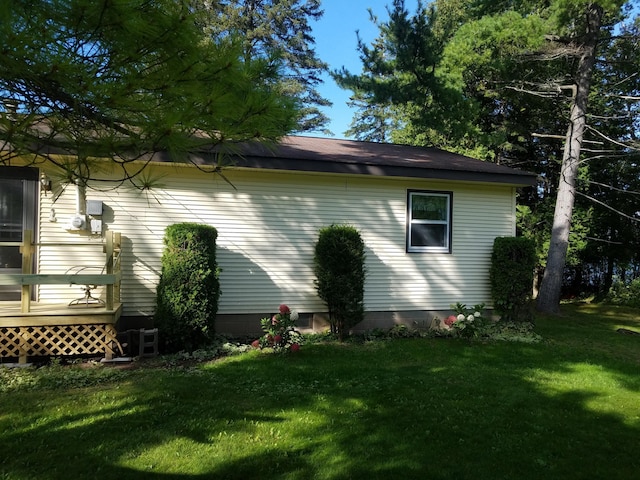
point(608, 277)
point(550, 288)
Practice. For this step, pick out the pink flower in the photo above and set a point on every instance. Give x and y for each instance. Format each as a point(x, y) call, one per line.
point(450, 320)
point(255, 344)
point(295, 347)
point(275, 320)
point(284, 310)
point(277, 338)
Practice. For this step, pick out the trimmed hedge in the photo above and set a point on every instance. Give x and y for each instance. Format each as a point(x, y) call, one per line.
point(512, 265)
point(189, 288)
point(340, 272)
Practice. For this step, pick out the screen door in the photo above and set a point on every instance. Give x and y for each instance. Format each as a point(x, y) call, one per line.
point(18, 198)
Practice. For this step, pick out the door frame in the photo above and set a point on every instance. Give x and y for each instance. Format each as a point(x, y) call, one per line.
point(30, 179)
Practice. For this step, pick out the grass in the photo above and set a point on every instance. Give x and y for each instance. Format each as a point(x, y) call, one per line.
point(567, 408)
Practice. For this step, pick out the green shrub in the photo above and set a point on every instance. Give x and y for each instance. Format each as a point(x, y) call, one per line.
point(625, 294)
point(402, 331)
point(512, 265)
point(340, 271)
point(188, 291)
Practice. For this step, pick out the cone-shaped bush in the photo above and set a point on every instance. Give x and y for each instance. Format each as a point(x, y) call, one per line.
point(511, 275)
point(340, 273)
point(189, 287)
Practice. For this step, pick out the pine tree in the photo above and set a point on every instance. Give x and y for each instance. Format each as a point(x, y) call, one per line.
point(279, 27)
point(84, 79)
point(503, 81)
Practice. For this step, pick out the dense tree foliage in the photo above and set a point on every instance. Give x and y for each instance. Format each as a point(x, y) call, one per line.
point(279, 27)
point(510, 82)
point(122, 80)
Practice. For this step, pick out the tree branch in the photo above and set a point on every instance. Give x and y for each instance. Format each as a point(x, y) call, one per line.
point(634, 219)
point(611, 187)
point(609, 139)
point(546, 90)
point(602, 240)
point(562, 137)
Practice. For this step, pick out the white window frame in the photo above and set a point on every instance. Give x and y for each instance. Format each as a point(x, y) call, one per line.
point(447, 222)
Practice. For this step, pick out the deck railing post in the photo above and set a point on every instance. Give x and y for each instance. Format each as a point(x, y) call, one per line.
point(23, 348)
point(117, 248)
point(109, 270)
point(27, 257)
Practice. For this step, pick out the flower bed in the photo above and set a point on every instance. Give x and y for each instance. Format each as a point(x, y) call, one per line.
point(280, 333)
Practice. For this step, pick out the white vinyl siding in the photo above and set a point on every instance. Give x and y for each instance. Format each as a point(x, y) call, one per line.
point(267, 228)
point(62, 251)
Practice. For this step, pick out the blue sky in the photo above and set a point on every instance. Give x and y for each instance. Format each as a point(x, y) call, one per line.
point(336, 43)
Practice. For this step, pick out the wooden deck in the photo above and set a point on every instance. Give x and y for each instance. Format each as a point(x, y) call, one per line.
point(33, 329)
point(55, 314)
point(58, 330)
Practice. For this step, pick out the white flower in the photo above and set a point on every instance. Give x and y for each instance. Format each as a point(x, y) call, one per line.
point(460, 317)
point(294, 315)
point(477, 314)
point(470, 318)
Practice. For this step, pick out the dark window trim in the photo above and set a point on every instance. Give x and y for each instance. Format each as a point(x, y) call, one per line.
point(448, 248)
point(20, 173)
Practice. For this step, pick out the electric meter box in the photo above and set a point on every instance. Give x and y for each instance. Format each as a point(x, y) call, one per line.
point(94, 207)
point(77, 222)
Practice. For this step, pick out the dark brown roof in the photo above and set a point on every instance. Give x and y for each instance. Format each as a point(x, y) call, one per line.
point(367, 158)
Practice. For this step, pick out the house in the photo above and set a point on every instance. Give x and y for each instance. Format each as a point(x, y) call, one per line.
point(428, 219)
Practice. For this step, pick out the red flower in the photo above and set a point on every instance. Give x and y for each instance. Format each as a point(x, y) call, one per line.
point(277, 338)
point(284, 310)
point(270, 338)
point(255, 344)
point(450, 320)
point(295, 347)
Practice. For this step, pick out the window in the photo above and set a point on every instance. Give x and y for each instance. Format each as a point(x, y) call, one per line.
point(428, 221)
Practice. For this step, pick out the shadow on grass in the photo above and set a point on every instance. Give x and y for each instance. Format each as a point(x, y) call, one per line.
point(439, 409)
point(601, 316)
point(591, 330)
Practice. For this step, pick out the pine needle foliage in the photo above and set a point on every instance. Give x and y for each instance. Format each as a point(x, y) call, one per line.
point(122, 80)
point(283, 27)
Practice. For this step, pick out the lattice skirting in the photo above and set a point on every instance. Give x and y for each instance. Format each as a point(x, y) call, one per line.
point(58, 340)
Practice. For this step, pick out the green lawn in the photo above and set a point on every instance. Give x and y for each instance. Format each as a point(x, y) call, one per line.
point(566, 408)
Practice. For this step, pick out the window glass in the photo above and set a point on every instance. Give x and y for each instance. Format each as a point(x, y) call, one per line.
point(11, 210)
point(428, 235)
point(429, 207)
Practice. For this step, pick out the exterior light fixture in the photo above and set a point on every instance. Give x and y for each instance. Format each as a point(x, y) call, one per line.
point(45, 183)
